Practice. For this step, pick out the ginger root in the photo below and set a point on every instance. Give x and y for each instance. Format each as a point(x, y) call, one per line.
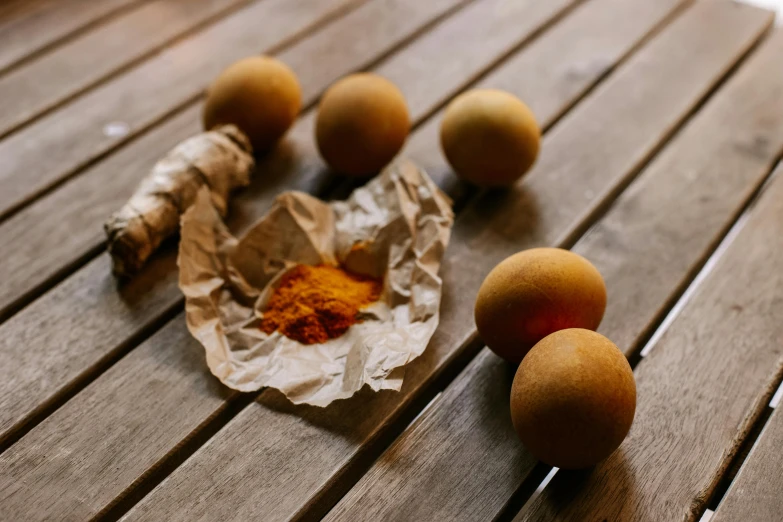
point(221, 159)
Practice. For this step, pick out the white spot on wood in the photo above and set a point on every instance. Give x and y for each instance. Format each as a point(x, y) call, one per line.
point(116, 129)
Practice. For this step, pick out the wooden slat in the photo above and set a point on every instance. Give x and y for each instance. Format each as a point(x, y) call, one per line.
point(27, 26)
point(75, 211)
point(104, 323)
point(120, 444)
point(372, 29)
point(681, 204)
point(705, 382)
point(754, 496)
point(298, 460)
point(463, 453)
point(79, 454)
point(65, 140)
point(83, 61)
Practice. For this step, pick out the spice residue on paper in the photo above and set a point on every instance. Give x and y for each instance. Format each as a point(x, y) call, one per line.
point(313, 304)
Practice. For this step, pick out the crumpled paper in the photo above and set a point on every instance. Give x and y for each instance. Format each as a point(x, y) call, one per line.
point(396, 227)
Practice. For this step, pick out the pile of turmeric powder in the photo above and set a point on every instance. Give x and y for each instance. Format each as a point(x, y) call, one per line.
point(313, 304)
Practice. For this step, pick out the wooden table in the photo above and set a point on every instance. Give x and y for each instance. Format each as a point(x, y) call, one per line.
point(664, 124)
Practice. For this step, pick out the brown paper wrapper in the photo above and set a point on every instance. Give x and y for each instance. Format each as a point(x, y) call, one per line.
point(396, 227)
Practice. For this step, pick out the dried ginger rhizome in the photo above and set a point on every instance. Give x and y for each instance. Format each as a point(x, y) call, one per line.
point(313, 304)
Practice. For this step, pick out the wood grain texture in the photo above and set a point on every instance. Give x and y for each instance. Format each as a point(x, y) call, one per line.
point(65, 140)
point(83, 61)
point(120, 325)
point(695, 187)
point(754, 496)
point(571, 70)
point(76, 210)
point(686, 201)
point(362, 37)
point(38, 367)
point(699, 391)
point(451, 454)
point(287, 461)
point(27, 26)
point(115, 446)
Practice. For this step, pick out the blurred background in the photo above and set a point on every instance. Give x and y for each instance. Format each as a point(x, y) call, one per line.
point(777, 5)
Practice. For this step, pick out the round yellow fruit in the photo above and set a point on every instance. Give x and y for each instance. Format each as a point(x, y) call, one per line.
point(260, 95)
point(573, 399)
point(534, 293)
point(489, 137)
point(362, 124)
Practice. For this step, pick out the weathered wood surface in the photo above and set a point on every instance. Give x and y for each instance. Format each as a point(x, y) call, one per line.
point(699, 391)
point(117, 446)
point(76, 210)
point(657, 232)
point(147, 410)
point(28, 26)
point(451, 453)
point(755, 494)
point(687, 201)
point(574, 69)
point(363, 37)
point(89, 460)
point(69, 138)
point(88, 304)
point(286, 461)
point(83, 61)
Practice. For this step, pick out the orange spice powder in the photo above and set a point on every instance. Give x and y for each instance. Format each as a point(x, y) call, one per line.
point(313, 304)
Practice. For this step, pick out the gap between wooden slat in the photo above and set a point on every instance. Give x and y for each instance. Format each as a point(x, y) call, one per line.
point(509, 514)
point(754, 484)
point(775, 401)
point(120, 68)
point(69, 35)
point(728, 478)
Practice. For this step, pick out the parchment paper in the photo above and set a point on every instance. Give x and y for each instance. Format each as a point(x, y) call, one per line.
point(395, 227)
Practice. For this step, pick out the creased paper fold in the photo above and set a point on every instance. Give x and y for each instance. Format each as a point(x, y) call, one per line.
point(396, 227)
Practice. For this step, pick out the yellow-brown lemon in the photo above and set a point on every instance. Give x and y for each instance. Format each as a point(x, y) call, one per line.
point(489, 137)
point(260, 95)
point(536, 292)
point(573, 399)
point(362, 124)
